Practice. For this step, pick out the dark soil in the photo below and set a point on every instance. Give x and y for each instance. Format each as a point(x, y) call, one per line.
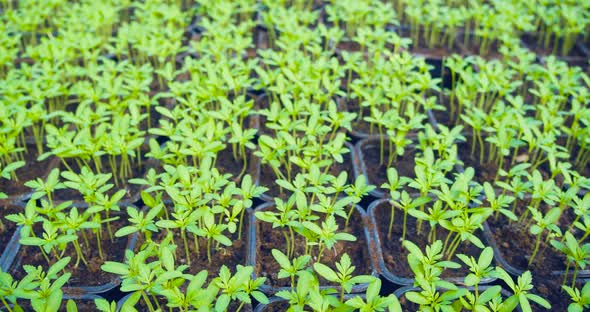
point(268, 177)
point(360, 127)
point(154, 115)
point(551, 290)
point(7, 227)
point(83, 275)
point(395, 256)
point(226, 163)
point(32, 170)
point(516, 244)
point(268, 239)
point(444, 116)
point(278, 306)
point(133, 190)
point(349, 46)
point(408, 306)
point(377, 171)
point(221, 255)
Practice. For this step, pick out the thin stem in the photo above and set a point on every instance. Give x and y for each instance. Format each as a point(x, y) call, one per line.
point(209, 249)
point(6, 304)
point(404, 225)
point(186, 251)
point(147, 301)
point(391, 221)
point(537, 243)
point(100, 254)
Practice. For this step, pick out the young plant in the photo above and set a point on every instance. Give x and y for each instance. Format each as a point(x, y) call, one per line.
point(576, 253)
point(343, 276)
point(521, 291)
point(580, 298)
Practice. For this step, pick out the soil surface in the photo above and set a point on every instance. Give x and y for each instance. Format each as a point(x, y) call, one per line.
point(226, 163)
point(377, 171)
point(7, 227)
point(408, 306)
point(32, 170)
point(551, 290)
point(395, 256)
point(279, 306)
point(360, 127)
point(268, 239)
point(516, 244)
point(444, 116)
point(83, 275)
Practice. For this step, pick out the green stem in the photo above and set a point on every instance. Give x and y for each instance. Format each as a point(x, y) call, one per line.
point(209, 249)
point(6, 304)
point(147, 301)
point(391, 221)
point(404, 225)
point(537, 243)
point(186, 251)
point(100, 254)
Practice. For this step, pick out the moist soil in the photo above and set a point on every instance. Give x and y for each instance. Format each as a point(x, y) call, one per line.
point(444, 116)
point(348, 45)
point(407, 305)
point(279, 306)
point(82, 276)
point(395, 256)
point(268, 177)
point(516, 244)
point(133, 190)
point(222, 255)
point(32, 170)
point(377, 172)
point(359, 125)
point(7, 227)
point(268, 239)
point(551, 290)
point(226, 163)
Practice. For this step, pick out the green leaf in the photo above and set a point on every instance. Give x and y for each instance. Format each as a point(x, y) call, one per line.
point(71, 306)
point(489, 294)
point(326, 272)
point(539, 300)
point(416, 298)
point(281, 258)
